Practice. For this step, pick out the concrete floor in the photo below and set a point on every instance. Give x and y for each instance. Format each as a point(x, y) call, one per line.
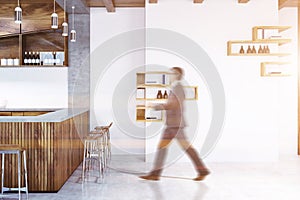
point(228, 181)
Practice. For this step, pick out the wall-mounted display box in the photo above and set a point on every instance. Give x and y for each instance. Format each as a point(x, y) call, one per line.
point(154, 87)
point(274, 69)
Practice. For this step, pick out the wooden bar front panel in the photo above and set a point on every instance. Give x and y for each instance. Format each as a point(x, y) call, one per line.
point(54, 151)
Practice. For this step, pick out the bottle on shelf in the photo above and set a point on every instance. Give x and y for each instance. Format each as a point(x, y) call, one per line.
point(260, 50)
point(242, 51)
point(264, 49)
point(267, 49)
point(166, 95)
point(29, 58)
point(33, 58)
point(249, 49)
point(159, 95)
point(54, 58)
point(253, 50)
point(37, 58)
point(25, 60)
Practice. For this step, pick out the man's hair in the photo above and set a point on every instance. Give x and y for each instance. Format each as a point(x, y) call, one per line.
point(180, 72)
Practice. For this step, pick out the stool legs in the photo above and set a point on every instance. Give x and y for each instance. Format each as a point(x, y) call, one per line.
point(25, 173)
point(19, 154)
point(19, 175)
point(2, 173)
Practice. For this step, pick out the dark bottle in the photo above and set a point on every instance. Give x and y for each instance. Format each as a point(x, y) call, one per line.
point(260, 50)
point(37, 58)
point(29, 58)
point(249, 49)
point(253, 50)
point(54, 58)
point(159, 95)
point(242, 51)
point(166, 95)
point(33, 58)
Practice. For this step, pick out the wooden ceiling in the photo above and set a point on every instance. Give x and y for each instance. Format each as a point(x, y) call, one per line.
point(35, 16)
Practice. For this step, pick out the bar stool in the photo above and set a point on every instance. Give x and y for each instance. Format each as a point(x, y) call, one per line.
point(106, 130)
point(17, 150)
point(93, 152)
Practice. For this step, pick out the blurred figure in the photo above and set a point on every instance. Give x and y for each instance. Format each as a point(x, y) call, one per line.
point(175, 129)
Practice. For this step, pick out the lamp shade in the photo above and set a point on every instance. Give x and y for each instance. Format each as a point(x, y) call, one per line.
point(65, 29)
point(18, 15)
point(54, 21)
point(73, 35)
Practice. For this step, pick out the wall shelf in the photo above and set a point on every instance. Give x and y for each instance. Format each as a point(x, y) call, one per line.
point(262, 37)
point(146, 92)
point(265, 70)
point(264, 29)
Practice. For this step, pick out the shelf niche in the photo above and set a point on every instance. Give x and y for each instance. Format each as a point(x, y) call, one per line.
point(274, 69)
point(147, 86)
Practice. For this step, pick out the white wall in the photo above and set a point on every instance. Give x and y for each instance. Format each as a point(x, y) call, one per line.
point(253, 107)
point(113, 86)
point(34, 87)
point(261, 113)
point(288, 89)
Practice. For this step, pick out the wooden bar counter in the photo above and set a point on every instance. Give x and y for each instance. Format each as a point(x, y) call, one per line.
point(53, 144)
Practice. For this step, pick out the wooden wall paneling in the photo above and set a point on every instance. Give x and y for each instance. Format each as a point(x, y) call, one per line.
point(9, 47)
point(51, 41)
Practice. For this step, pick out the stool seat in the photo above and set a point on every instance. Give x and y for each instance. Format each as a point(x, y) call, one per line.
point(10, 147)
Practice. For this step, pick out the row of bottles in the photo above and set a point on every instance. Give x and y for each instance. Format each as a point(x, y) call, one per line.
point(261, 49)
point(43, 58)
point(31, 58)
point(161, 96)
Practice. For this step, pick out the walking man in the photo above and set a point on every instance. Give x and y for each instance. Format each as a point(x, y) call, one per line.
point(175, 129)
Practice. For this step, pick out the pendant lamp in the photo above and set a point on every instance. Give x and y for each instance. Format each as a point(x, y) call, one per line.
point(65, 24)
point(54, 18)
point(73, 32)
point(18, 14)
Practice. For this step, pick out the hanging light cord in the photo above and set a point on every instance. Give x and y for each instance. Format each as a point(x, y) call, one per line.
point(19, 3)
point(54, 5)
point(73, 7)
point(65, 10)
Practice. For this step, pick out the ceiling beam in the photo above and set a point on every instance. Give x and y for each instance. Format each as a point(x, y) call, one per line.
point(243, 1)
point(109, 4)
point(198, 1)
point(153, 1)
point(288, 3)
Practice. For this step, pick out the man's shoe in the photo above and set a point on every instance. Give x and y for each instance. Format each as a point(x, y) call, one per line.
point(150, 177)
point(201, 175)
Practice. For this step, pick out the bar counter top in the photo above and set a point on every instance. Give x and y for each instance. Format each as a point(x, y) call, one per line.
point(54, 115)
